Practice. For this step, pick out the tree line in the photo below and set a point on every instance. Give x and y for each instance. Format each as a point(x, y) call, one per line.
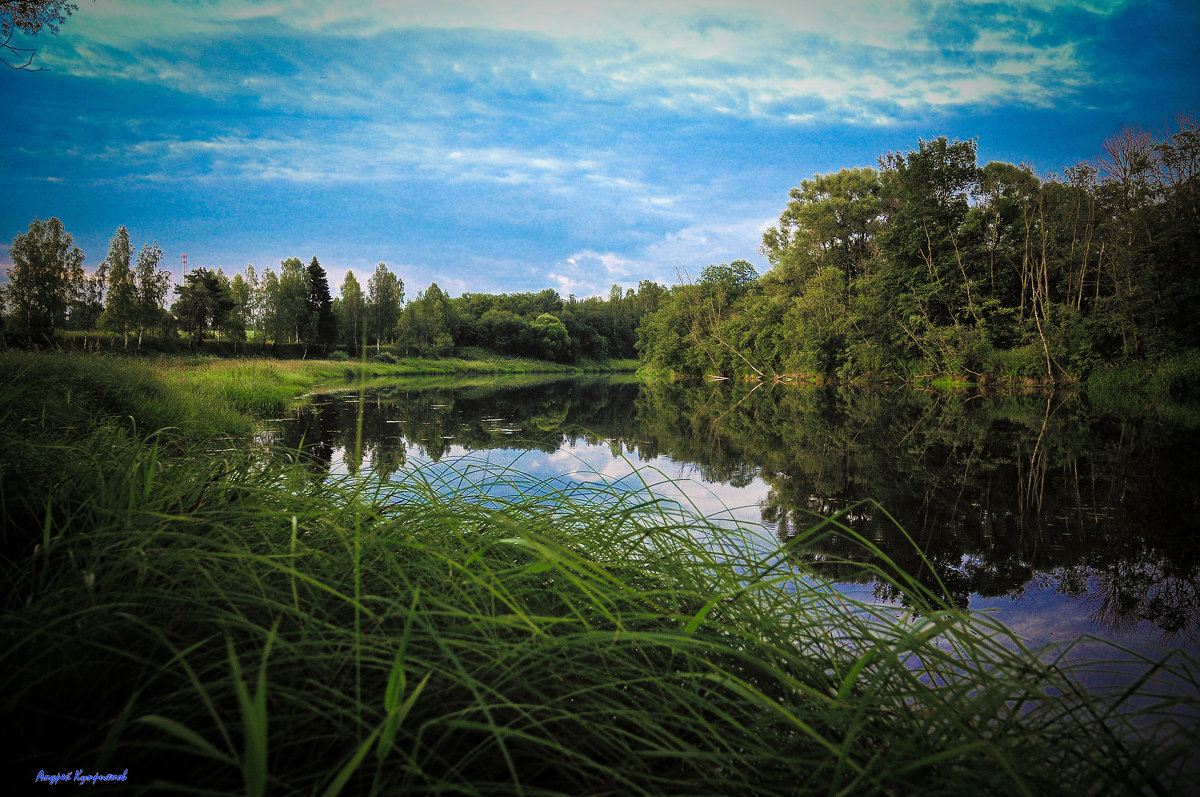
point(50, 291)
point(932, 264)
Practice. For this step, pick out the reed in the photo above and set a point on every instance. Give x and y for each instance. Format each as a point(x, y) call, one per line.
point(217, 622)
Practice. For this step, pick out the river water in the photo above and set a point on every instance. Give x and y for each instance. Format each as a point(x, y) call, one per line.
point(1061, 514)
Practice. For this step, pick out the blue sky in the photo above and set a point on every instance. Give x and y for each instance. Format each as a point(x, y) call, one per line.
point(538, 144)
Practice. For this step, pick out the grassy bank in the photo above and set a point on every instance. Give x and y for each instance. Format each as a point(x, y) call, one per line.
point(179, 608)
point(474, 359)
point(1176, 377)
point(1173, 377)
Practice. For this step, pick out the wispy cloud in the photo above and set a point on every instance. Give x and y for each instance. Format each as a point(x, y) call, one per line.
point(676, 255)
point(788, 61)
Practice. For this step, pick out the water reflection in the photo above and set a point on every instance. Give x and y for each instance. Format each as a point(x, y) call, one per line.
point(1005, 496)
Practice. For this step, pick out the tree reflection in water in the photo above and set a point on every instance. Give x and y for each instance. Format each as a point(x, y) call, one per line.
point(974, 494)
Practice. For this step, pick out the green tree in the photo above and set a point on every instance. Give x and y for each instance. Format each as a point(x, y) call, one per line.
point(296, 319)
point(120, 307)
point(503, 331)
point(272, 322)
point(928, 264)
point(45, 261)
point(241, 293)
point(728, 282)
point(320, 306)
point(351, 313)
point(648, 297)
point(385, 294)
point(552, 336)
point(152, 286)
point(428, 323)
point(88, 303)
point(204, 303)
point(672, 337)
point(830, 222)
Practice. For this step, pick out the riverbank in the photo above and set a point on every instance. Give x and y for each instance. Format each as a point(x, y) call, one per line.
point(1175, 377)
point(179, 607)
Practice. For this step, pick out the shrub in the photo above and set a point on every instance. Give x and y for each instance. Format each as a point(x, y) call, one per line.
point(1023, 362)
point(1179, 376)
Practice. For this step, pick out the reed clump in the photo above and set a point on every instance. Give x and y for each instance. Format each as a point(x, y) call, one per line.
point(214, 620)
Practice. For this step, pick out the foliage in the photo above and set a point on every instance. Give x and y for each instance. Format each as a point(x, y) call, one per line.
point(929, 266)
point(350, 312)
point(151, 285)
point(323, 330)
point(936, 266)
point(554, 342)
point(428, 324)
point(385, 295)
point(241, 293)
point(29, 17)
point(206, 303)
point(46, 264)
point(293, 307)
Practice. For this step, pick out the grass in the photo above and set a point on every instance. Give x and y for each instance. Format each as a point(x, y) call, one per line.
point(216, 623)
point(1172, 377)
point(466, 359)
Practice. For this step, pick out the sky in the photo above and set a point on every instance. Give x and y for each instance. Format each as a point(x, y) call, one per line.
point(532, 144)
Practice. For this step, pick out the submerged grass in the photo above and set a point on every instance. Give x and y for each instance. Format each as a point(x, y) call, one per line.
point(215, 623)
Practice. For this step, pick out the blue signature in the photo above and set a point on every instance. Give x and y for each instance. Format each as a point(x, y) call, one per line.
point(78, 776)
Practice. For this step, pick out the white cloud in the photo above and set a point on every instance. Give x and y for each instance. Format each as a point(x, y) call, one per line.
point(755, 58)
point(705, 243)
point(675, 255)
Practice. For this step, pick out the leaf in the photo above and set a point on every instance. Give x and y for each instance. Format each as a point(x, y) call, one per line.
point(181, 731)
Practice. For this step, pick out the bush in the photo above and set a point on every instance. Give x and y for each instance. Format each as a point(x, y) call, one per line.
point(1131, 379)
point(385, 357)
point(1023, 362)
point(1178, 376)
point(340, 356)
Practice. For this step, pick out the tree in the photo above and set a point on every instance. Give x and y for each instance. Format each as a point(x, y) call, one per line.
point(428, 323)
point(296, 320)
point(320, 305)
point(152, 285)
point(271, 323)
point(241, 293)
point(29, 17)
point(552, 334)
point(730, 281)
point(204, 303)
point(385, 293)
point(120, 308)
point(45, 259)
point(87, 304)
point(831, 220)
point(351, 312)
point(927, 265)
point(648, 297)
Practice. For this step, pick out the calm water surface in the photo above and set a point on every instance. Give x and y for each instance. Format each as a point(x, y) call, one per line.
point(1062, 515)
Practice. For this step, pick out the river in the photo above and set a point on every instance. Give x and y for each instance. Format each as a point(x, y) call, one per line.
point(1065, 516)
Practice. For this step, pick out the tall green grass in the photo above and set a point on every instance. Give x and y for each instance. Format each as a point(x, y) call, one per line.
point(216, 622)
point(1171, 377)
